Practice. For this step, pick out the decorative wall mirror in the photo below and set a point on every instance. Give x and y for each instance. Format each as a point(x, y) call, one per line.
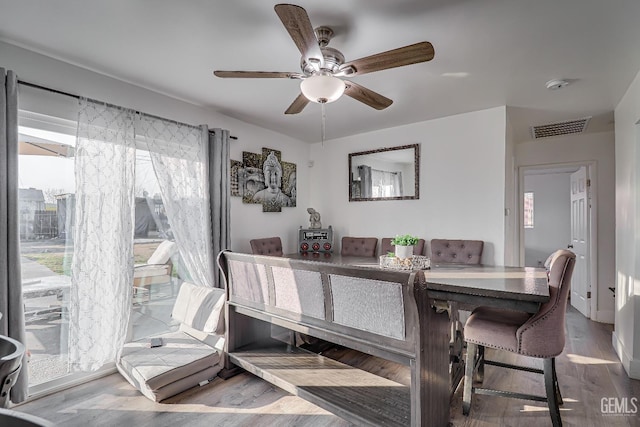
point(385, 174)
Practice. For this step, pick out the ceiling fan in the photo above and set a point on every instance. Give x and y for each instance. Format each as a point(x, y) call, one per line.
point(322, 67)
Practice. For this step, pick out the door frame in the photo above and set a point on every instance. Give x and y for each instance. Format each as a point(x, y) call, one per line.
point(592, 219)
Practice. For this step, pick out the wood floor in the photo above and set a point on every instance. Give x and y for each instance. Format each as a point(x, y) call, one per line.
point(588, 371)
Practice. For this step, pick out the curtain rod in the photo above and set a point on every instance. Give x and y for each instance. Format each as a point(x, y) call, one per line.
point(59, 92)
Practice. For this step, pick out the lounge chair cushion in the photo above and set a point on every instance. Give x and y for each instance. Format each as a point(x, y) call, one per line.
point(161, 372)
point(187, 357)
point(163, 253)
point(200, 308)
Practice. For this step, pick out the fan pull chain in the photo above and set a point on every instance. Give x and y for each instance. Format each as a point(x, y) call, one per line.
point(322, 127)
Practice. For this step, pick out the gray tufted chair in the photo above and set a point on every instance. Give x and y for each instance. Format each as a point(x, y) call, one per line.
point(268, 246)
point(359, 246)
point(448, 251)
point(386, 246)
point(541, 335)
point(456, 251)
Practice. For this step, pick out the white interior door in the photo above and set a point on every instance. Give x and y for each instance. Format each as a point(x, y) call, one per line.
point(580, 283)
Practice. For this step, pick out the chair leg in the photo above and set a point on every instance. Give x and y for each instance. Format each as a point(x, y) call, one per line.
point(555, 382)
point(550, 384)
point(468, 377)
point(479, 372)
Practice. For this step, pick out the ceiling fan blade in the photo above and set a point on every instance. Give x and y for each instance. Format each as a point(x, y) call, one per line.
point(366, 96)
point(407, 55)
point(297, 105)
point(296, 21)
point(258, 74)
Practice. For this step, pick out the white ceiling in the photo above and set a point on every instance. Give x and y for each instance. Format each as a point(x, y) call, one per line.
point(487, 53)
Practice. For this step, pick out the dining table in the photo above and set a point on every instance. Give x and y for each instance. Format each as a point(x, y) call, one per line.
point(516, 288)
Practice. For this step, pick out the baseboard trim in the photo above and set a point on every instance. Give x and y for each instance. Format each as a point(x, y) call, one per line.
point(631, 365)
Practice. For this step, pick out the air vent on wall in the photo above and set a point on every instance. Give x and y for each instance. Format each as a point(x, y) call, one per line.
point(560, 128)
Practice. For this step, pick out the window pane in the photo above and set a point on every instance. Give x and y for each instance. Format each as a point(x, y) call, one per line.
point(528, 210)
point(155, 286)
point(45, 197)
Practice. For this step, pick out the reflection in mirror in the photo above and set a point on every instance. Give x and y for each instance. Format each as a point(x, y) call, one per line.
point(385, 174)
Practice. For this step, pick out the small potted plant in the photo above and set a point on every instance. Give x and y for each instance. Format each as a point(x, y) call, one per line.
point(404, 245)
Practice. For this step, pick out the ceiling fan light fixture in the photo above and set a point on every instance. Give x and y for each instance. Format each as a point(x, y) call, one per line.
point(322, 89)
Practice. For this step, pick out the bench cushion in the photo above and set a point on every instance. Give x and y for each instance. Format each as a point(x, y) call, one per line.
point(380, 307)
point(181, 362)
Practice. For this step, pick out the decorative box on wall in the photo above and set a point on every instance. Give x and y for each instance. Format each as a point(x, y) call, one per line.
point(315, 240)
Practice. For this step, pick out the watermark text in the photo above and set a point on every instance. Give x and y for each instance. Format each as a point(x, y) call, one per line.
point(619, 405)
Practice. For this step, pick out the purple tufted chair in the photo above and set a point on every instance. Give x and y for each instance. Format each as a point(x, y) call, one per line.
point(540, 335)
point(359, 246)
point(456, 251)
point(386, 246)
point(268, 246)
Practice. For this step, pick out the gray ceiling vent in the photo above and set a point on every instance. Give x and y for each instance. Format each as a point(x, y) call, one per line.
point(560, 128)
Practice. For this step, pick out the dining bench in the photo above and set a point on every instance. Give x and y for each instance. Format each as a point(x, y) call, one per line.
point(384, 313)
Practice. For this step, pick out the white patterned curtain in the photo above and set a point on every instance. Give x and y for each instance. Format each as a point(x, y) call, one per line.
point(386, 184)
point(179, 157)
point(102, 267)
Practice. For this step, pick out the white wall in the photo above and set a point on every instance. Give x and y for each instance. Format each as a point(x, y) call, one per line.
point(551, 218)
point(511, 246)
point(462, 181)
point(248, 221)
point(599, 148)
point(626, 336)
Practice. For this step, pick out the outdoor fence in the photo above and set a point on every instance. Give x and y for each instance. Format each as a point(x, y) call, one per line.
point(39, 225)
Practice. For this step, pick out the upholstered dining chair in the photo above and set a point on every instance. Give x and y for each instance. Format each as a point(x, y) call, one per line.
point(456, 251)
point(386, 246)
point(268, 246)
point(540, 335)
point(359, 246)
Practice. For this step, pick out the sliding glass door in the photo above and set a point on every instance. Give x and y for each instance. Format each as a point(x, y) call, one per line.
point(46, 206)
point(47, 187)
